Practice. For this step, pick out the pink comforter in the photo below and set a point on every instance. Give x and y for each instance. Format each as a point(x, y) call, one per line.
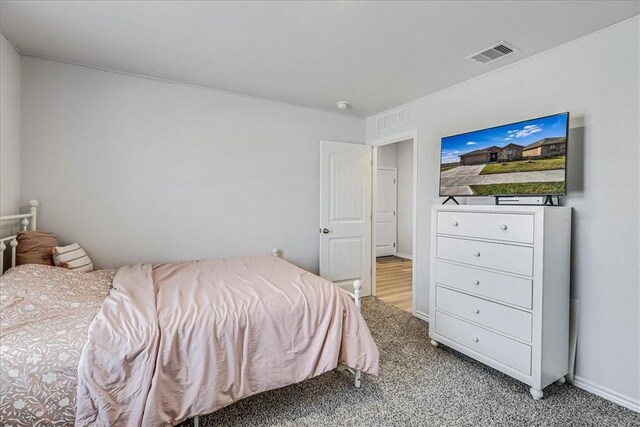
point(177, 340)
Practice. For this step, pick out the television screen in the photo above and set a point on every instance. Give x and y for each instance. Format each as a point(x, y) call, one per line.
point(519, 159)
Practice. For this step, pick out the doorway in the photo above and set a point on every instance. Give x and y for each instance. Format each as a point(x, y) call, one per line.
point(386, 209)
point(393, 242)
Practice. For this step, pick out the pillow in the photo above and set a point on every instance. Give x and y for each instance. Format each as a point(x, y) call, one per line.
point(34, 247)
point(72, 257)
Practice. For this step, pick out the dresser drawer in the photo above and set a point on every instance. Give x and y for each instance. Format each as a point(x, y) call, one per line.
point(496, 226)
point(507, 320)
point(509, 289)
point(495, 346)
point(513, 259)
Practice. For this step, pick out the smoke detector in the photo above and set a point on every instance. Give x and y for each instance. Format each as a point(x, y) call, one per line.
point(343, 105)
point(493, 53)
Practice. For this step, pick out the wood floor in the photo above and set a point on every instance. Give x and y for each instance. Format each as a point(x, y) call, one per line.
point(393, 283)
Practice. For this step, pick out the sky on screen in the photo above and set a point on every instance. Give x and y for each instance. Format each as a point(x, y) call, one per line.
point(522, 133)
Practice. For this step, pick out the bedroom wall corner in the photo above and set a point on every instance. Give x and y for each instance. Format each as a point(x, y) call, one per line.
point(10, 128)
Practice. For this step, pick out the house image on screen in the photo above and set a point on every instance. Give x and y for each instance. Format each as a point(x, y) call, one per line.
point(546, 148)
point(492, 154)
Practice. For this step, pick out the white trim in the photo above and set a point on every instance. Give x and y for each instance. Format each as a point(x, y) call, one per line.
point(399, 137)
point(606, 393)
point(421, 315)
point(405, 256)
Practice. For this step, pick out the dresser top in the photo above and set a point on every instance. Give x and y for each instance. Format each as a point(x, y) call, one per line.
point(499, 208)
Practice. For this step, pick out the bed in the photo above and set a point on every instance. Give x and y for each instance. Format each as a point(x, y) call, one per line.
point(158, 344)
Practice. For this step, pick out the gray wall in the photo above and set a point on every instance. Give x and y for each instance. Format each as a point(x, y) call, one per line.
point(139, 170)
point(599, 85)
point(9, 129)
point(405, 197)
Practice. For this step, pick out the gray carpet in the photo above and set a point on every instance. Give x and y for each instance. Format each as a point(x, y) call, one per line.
point(419, 386)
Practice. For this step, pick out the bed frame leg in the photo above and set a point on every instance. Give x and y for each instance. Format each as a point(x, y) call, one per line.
point(196, 421)
point(357, 287)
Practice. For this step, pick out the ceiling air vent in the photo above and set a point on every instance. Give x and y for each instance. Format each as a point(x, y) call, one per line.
point(498, 51)
point(392, 119)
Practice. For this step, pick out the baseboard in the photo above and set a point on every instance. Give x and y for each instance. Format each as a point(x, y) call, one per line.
point(422, 316)
point(401, 255)
point(606, 393)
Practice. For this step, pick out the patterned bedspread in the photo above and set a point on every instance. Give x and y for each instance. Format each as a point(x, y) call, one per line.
point(45, 314)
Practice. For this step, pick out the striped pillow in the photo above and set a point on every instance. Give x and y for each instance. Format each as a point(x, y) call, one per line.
point(72, 257)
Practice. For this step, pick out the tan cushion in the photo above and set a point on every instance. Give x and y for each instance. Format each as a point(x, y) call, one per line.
point(34, 247)
point(72, 257)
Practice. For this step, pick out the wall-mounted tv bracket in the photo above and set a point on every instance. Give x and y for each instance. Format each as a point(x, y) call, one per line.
point(450, 198)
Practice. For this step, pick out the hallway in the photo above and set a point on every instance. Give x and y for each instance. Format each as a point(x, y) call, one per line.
point(393, 281)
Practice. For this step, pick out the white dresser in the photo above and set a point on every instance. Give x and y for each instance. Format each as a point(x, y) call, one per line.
point(500, 288)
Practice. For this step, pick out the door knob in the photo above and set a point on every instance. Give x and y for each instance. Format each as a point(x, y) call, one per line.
point(325, 231)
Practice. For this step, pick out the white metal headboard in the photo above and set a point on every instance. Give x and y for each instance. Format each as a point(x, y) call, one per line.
point(27, 221)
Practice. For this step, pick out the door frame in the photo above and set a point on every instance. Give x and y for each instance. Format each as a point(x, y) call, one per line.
point(392, 139)
point(395, 204)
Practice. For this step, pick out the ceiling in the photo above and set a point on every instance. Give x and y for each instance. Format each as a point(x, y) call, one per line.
point(373, 54)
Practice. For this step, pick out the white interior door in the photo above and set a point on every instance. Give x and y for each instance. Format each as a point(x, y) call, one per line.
point(386, 207)
point(345, 213)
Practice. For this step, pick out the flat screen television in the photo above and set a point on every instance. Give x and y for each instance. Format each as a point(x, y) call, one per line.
point(519, 159)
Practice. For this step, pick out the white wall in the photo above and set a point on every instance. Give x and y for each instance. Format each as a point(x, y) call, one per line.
point(9, 128)
point(599, 85)
point(405, 197)
point(141, 170)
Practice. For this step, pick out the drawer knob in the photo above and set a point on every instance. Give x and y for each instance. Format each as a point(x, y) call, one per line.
point(503, 227)
point(454, 223)
point(476, 311)
point(475, 339)
point(476, 254)
point(476, 282)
